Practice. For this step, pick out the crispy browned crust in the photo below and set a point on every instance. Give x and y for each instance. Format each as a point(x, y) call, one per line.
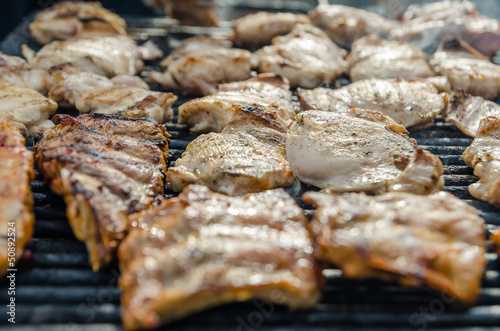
point(272, 78)
point(105, 167)
point(193, 268)
point(16, 200)
point(452, 254)
point(376, 116)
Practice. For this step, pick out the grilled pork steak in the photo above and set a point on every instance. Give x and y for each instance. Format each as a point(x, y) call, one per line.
point(204, 249)
point(436, 240)
point(106, 167)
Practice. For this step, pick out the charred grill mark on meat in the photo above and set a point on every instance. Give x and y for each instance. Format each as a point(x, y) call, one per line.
point(16, 200)
point(106, 167)
point(435, 240)
point(204, 249)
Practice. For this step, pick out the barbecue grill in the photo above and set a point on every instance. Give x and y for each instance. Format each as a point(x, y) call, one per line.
point(57, 290)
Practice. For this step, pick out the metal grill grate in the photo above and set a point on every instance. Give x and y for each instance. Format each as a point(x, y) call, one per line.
point(56, 289)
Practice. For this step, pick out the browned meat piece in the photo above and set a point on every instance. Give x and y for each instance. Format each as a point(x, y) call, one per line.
point(13, 62)
point(200, 64)
point(68, 19)
point(117, 125)
point(67, 91)
point(127, 101)
point(306, 56)
point(374, 57)
point(454, 48)
point(359, 150)
point(467, 111)
point(247, 156)
point(233, 164)
point(466, 69)
point(257, 30)
point(104, 55)
point(16, 71)
point(265, 91)
point(425, 25)
point(12, 69)
point(204, 249)
point(495, 238)
point(438, 10)
point(16, 200)
point(441, 83)
point(26, 108)
point(261, 82)
point(346, 24)
point(130, 81)
point(408, 102)
point(192, 12)
point(150, 51)
point(435, 240)
point(106, 167)
point(257, 122)
point(188, 12)
point(484, 156)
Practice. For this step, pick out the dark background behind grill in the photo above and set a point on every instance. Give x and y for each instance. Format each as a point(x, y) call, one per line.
point(56, 289)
